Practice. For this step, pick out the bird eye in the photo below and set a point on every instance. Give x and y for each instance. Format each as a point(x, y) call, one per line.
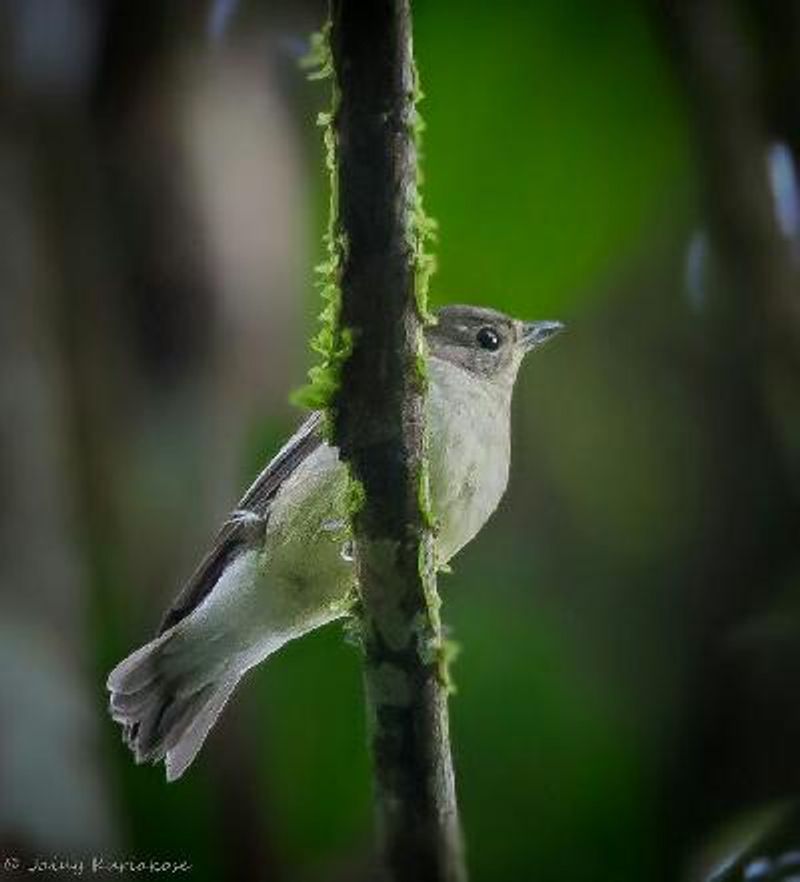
point(488, 338)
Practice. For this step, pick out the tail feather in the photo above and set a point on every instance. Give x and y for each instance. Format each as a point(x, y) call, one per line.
point(167, 696)
point(138, 670)
point(182, 750)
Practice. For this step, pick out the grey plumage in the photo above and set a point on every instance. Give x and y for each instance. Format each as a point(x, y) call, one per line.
point(247, 521)
point(276, 568)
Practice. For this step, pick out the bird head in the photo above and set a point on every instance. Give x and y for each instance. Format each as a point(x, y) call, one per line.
point(484, 342)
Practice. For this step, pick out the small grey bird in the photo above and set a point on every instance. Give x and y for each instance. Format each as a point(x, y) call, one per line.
point(280, 565)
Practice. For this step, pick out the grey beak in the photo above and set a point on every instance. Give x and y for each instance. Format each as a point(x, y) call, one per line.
point(534, 334)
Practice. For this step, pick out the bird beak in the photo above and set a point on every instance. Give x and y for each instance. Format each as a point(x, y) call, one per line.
point(534, 334)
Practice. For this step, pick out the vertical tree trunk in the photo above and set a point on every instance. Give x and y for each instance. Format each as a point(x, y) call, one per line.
point(379, 425)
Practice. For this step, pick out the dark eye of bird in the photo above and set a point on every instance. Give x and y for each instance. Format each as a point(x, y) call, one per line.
point(488, 338)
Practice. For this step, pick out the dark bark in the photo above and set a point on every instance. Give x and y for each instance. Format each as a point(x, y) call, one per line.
point(379, 427)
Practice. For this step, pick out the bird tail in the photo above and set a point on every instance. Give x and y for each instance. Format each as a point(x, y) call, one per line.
point(167, 696)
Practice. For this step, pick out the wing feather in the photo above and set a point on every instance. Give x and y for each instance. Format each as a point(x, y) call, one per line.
point(247, 522)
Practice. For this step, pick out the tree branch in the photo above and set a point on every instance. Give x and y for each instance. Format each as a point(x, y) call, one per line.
point(379, 426)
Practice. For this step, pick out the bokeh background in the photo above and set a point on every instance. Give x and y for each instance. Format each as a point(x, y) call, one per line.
point(627, 688)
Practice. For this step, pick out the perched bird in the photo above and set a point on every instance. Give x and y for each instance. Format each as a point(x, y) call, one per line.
point(280, 565)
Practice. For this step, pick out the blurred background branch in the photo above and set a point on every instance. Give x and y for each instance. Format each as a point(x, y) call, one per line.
point(742, 118)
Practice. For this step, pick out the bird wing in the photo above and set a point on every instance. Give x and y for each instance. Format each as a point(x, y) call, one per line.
point(247, 522)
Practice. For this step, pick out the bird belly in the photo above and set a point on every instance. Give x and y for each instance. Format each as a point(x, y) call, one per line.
point(469, 456)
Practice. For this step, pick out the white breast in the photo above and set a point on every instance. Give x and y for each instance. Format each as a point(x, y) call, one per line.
point(469, 452)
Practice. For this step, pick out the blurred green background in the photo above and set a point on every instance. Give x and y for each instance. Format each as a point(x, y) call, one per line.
point(628, 619)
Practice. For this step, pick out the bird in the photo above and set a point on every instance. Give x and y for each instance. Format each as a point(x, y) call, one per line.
point(281, 564)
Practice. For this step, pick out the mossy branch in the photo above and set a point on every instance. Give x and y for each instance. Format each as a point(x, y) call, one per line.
point(372, 381)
